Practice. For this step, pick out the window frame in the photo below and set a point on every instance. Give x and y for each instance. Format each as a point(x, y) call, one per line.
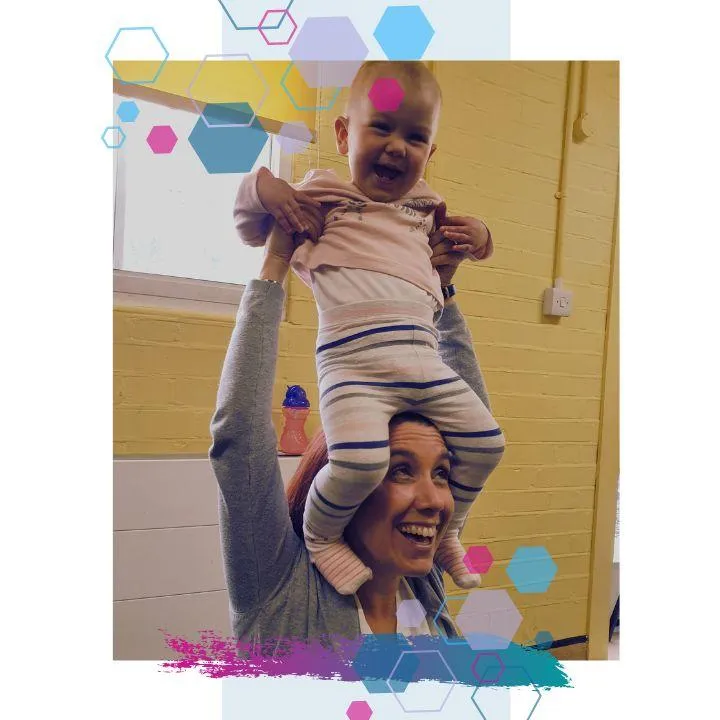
point(138, 289)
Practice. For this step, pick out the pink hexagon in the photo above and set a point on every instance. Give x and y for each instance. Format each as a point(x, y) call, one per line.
point(278, 31)
point(359, 710)
point(386, 94)
point(411, 613)
point(478, 559)
point(162, 139)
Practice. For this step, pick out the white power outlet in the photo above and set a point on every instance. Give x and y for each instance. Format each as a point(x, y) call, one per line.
point(557, 301)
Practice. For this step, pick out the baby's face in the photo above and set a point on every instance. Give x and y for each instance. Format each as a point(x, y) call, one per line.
point(388, 151)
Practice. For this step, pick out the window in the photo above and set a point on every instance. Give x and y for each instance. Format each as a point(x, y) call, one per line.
point(174, 240)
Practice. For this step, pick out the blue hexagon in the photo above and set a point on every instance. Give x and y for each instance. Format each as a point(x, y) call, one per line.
point(543, 640)
point(232, 148)
point(404, 32)
point(239, 14)
point(144, 34)
point(328, 51)
point(121, 137)
point(414, 665)
point(128, 111)
point(376, 658)
point(331, 102)
point(492, 704)
point(531, 569)
point(449, 641)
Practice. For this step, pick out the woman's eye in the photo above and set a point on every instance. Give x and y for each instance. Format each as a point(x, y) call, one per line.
point(400, 471)
point(443, 473)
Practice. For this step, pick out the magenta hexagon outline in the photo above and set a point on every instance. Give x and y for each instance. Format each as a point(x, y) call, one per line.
point(285, 12)
point(254, 110)
point(421, 652)
point(501, 666)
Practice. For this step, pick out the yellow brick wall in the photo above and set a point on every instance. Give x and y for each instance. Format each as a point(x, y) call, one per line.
point(499, 155)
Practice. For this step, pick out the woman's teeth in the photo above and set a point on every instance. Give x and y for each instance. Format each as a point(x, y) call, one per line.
point(421, 530)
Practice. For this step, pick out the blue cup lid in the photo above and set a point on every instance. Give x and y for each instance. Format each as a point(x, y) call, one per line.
point(295, 397)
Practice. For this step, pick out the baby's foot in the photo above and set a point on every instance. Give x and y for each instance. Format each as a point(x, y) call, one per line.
point(341, 567)
point(450, 554)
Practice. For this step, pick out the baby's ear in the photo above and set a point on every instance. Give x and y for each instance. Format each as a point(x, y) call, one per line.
point(341, 134)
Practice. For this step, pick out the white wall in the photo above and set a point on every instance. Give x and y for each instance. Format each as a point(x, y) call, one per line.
point(168, 571)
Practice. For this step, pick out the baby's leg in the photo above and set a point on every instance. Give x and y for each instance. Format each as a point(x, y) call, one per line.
point(477, 443)
point(355, 420)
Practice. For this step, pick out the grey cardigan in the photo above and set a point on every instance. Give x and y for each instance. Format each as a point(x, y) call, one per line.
point(275, 591)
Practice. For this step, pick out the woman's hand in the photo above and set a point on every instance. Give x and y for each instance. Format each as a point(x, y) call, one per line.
point(279, 249)
point(284, 203)
point(446, 254)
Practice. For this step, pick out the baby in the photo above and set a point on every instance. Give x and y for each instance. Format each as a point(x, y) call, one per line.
point(377, 295)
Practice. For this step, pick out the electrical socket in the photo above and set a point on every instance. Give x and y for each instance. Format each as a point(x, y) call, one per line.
point(557, 301)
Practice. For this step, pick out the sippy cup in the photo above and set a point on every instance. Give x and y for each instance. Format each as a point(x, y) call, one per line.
point(295, 408)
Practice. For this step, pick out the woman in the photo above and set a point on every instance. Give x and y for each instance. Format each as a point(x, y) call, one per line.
point(275, 591)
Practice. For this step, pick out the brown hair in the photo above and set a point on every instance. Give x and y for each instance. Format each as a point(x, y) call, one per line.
point(314, 459)
point(416, 73)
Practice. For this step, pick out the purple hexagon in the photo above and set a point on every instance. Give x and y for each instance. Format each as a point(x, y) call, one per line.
point(488, 619)
point(285, 34)
point(294, 137)
point(411, 613)
point(488, 668)
point(478, 559)
point(359, 710)
point(328, 52)
point(161, 139)
point(386, 94)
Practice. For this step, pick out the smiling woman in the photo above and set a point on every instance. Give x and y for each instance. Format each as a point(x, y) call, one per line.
point(275, 590)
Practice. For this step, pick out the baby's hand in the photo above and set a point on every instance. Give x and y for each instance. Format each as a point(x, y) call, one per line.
point(467, 234)
point(284, 203)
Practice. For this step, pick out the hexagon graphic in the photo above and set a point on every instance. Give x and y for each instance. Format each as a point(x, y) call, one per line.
point(358, 710)
point(495, 703)
point(386, 94)
point(278, 35)
point(294, 137)
point(143, 47)
point(117, 137)
point(328, 51)
point(478, 559)
point(376, 658)
point(531, 569)
point(238, 89)
point(411, 613)
point(543, 640)
point(488, 620)
point(327, 106)
point(226, 145)
point(443, 607)
point(244, 14)
point(488, 668)
point(128, 111)
point(162, 139)
point(415, 665)
point(404, 32)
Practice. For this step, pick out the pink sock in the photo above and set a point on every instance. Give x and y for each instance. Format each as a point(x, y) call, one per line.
point(450, 554)
point(341, 567)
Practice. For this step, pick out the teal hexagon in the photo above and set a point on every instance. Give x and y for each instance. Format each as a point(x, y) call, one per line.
point(404, 32)
point(376, 659)
point(113, 145)
point(531, 569)
point(151, 33)
point(223, 144)
point(543, 640)
point(301, 107)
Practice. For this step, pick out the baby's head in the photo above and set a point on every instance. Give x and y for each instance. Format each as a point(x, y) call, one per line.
point(388, 150)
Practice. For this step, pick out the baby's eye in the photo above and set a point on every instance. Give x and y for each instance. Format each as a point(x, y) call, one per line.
point(382, 127)
point(418, 138)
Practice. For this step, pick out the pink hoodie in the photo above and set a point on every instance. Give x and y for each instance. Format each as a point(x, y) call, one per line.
point(390, 238)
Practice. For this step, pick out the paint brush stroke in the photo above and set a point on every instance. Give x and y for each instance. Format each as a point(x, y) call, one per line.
point(369, 659)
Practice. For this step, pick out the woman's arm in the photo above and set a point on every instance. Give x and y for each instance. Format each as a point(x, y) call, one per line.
point(258, 541)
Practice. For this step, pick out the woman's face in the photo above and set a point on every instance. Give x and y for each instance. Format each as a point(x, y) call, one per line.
point(397, 529)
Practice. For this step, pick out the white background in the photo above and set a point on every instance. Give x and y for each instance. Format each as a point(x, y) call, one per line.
point(56, 289)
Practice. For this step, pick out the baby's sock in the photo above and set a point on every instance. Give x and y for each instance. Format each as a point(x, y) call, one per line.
point(340, 566)
point(449, 555)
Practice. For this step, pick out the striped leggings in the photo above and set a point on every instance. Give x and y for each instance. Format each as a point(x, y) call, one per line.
point(373, 362)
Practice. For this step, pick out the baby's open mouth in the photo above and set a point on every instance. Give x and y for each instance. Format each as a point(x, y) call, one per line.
point(386, 173)
point(421, 534)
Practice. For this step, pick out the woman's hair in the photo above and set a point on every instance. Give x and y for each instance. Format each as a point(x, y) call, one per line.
point(314, 459)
